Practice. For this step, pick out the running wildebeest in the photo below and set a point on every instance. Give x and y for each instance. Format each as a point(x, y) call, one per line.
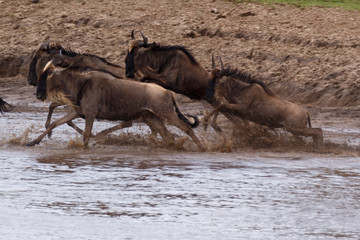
point(48, 52)
point(172, 67)
point(95, 94)
point(4, 106)
point(243, 96)
point(73, 62)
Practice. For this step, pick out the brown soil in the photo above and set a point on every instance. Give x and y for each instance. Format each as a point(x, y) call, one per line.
point(310, 56)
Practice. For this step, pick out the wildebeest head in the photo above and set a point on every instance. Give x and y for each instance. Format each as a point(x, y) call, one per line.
point(48, 52)
point(43, 55)
point(133, 52)
point(39, 60)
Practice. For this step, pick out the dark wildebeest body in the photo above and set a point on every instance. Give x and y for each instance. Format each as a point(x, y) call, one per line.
point(4, 106)
point(99, 95)
point(172, 67)
point(48, 52)
point(240, 95)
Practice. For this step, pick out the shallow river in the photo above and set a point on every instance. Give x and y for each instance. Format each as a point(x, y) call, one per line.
point(57, 190)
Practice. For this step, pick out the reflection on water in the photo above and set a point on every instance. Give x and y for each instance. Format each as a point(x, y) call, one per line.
point(133, 191)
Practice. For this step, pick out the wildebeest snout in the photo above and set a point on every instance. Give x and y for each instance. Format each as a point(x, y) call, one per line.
point(41, 93)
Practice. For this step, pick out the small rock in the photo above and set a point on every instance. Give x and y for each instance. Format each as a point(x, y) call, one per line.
point(34, 1)
point(190, 34)
point(247, 14)
point(214, 10)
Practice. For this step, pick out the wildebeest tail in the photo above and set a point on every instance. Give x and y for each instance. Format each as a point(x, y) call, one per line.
point(182, 116)
point(4, 106)
point(309, 120)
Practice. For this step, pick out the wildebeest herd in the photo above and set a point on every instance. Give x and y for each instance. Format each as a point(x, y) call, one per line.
point(143, 90)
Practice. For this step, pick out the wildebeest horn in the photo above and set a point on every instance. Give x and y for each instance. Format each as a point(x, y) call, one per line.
point(61, 55)
point(48, 65)
point(145, 39)
point(212, 62)
point(132, 35)
point(222, 64)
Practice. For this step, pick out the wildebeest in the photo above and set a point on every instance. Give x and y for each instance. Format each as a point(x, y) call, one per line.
point(4, 106)
point(172, 67)
point(95, 94)
point(241, 95)
point(48, 52)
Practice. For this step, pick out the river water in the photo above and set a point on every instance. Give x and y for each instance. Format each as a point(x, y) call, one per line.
point(129, 189)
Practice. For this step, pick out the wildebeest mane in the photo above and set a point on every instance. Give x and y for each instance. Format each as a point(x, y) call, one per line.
point(158, 47)
point(244, 77)
point(68, 52)
point(83, 69)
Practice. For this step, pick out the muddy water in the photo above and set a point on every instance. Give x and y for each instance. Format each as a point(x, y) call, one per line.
point(131, 188)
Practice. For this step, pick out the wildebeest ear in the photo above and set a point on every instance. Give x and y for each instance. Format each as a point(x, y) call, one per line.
point(45, 45)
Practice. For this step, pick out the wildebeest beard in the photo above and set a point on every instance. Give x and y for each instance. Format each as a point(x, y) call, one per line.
point(41, 89)
point(32, 76)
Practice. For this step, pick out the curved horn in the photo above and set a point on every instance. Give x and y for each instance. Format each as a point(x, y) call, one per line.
point(212, 62)
point(145, 39)
point(222, 64)
point(61, 55)
point(132, 35)
point(48, 65)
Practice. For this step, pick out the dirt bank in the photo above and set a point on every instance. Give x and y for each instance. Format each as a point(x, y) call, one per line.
point(311, 56)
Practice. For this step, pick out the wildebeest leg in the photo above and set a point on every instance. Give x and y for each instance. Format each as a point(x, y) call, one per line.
point(52, 106)
point(174, 120)
point(122, 125)
point(157, 126)
point(70, 123)
point(227, 110)
point(214, 124)
point(89, 121)
point(70, 116)
point(215, 112)
point(315, 133)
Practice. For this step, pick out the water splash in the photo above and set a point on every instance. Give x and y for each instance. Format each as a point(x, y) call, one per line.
point(15, 140)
